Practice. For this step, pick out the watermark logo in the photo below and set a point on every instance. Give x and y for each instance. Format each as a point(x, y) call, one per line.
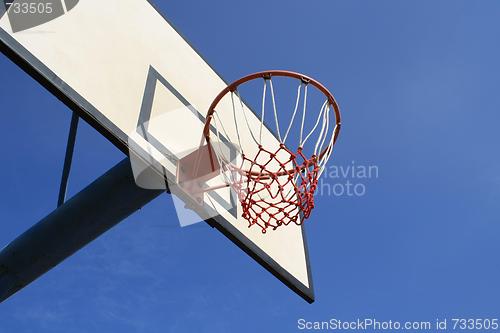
point(349, 180)
point(26, 14)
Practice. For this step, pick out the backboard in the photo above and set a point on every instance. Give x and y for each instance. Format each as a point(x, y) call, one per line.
point(124, 69)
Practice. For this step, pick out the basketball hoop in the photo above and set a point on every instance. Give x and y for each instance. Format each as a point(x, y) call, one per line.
point(275, 184)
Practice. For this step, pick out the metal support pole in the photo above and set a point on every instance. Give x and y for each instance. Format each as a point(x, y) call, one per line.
point(83, 218)
point(70, 147)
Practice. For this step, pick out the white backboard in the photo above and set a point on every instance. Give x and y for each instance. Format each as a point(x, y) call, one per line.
point(124, 69)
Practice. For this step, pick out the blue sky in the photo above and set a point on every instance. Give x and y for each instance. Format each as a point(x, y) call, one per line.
point(417, 82)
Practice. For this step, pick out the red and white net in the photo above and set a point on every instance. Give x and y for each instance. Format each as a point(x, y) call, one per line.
point(275, 184)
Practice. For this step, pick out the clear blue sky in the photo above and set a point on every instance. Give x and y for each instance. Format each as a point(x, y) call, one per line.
point(418, 85)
